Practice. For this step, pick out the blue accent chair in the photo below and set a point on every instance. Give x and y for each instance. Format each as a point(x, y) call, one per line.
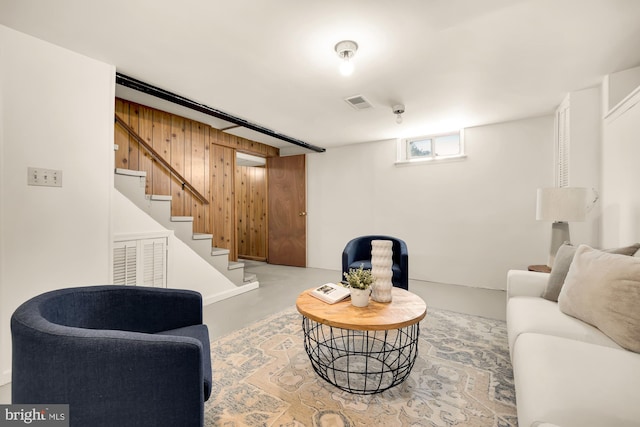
point(118, 355)
point(358, 252)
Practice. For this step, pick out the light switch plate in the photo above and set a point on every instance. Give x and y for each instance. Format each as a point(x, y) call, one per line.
point(44, 177)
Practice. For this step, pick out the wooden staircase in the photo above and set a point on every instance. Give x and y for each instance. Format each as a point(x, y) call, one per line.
point(132, 184)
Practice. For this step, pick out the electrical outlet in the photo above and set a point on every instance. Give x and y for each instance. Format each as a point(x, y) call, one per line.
point(44, 177)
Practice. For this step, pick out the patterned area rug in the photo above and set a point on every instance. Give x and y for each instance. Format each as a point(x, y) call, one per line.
point(462, 377)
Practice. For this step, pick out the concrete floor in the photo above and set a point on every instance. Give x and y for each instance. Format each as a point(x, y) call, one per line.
point(280, 286)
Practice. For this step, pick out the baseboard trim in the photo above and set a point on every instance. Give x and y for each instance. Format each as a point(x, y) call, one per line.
point(231, 293)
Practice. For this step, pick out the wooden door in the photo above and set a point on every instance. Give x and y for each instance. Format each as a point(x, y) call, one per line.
point(286, 177)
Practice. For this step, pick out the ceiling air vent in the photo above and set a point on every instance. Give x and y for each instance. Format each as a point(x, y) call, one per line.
point(358, 102)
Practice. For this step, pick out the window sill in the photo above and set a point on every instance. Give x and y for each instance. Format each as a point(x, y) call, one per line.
point(430, 160)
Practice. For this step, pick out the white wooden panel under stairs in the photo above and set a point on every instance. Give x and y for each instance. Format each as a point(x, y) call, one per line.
point(140, 260)
point(132, 185)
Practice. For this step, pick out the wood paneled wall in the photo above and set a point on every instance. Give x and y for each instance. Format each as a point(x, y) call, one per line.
point(181, 142)
point(251, 212)
point(223, 163)
point(243, 145)
point(202, 155)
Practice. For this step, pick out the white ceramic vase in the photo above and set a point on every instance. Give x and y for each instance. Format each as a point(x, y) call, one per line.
point(360, 297)
point(381, 262)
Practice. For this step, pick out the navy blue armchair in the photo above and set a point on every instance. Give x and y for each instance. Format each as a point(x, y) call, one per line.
point(358, 252)
point(118, 355)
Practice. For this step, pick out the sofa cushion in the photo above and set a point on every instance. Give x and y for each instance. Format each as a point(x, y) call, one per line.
point(562, 263)
point(575, 384)
point(603, 289)
point(201, 333)
point(534, 314)
point(559, 271)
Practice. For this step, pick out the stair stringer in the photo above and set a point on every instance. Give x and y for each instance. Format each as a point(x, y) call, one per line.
point(132, 184)
point(185, 268)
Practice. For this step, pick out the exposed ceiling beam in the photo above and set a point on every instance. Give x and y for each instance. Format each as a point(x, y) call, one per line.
point(141, 86)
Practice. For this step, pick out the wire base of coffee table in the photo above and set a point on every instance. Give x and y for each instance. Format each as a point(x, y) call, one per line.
point(361, 362)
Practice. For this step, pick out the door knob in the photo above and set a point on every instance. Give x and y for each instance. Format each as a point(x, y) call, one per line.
point(302, 214)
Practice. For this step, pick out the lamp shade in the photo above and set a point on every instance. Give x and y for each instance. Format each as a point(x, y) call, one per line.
point(562, 204)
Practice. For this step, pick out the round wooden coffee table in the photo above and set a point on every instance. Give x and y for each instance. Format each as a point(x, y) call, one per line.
point(362, 350)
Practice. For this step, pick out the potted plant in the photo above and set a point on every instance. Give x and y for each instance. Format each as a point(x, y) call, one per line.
point(359, 282)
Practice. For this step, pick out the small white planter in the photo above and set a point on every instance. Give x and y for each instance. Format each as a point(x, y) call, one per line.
point(360, 297)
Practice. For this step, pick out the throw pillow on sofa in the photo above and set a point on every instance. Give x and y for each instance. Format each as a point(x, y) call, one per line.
point(559, 271)
point(603, 289)
point(562, 262)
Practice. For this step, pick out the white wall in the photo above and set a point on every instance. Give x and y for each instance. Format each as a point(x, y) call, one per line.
point(621, 175)
point(465, 222)
point(56, 112)
point(585, 133)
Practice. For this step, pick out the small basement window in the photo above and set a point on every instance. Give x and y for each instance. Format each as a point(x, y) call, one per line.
point(431, 147)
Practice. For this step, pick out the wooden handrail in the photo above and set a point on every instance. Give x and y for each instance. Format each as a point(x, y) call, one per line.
point(156, 156)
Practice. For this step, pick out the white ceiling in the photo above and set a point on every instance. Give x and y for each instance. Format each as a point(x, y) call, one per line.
point(453, 63)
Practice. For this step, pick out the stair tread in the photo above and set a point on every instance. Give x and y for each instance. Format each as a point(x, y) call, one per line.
point(234, 265)
point(130, 172)
point(161, 197)
point(182, 218)
point(202, 236)
point(219, 251)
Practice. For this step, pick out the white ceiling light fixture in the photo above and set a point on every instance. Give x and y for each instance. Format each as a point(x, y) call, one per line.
point(346, 50)
point(398, 110)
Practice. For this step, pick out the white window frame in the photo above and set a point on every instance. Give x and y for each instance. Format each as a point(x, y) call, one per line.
point(403, 148)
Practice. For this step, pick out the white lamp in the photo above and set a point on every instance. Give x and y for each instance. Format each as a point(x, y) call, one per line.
point(560, 205)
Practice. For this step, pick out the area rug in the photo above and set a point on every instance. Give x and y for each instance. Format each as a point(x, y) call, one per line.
point(462, 377)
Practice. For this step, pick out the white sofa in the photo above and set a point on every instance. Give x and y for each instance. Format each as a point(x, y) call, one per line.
point(567, 372)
